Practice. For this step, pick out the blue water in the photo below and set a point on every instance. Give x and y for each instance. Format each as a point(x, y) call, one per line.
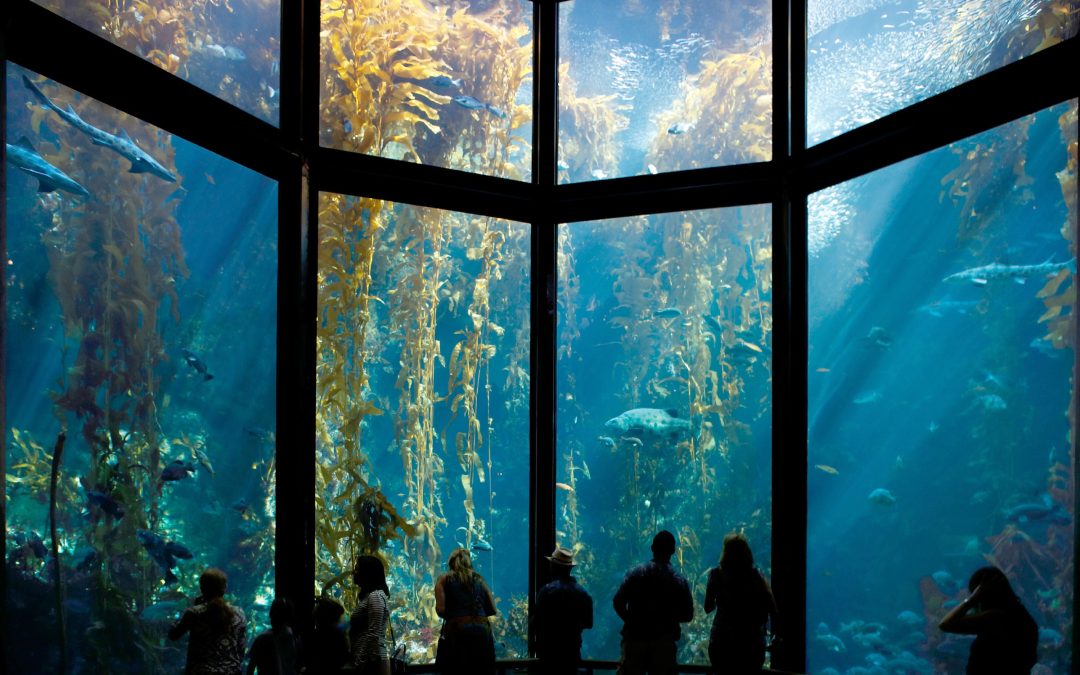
point(220, 259)
point(935, 410)
point(942, 393)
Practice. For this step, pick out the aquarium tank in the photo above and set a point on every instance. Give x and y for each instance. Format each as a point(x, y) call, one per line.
point(868, 58)
point(230, 48)
point(664, 400)
point(648, 87)
point(140, 354)
point(436, 83)
point(940, 369)
point(506, 275)
point(422, 415)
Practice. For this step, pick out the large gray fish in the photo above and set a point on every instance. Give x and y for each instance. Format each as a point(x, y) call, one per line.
point(141, 162)
point(24, 157)
point(1018, 273)
point(651, 421)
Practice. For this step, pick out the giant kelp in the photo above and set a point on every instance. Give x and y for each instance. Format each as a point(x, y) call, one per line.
point(229, 47)
point(690, 300)
point(114, 262)
point(391, 275)
point(726, 109)
point(588, 126)
point(382, 59)
point(387, 283)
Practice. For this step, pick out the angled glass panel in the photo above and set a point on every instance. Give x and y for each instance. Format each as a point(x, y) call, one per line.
point(664, 400)
point(646, 87)
point(866, 59)
point(140, 322)
point(941, 357)
point(447, 85)
point(229, 48)
point(422, 413)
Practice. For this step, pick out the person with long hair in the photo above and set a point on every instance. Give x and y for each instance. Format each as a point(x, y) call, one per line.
point(218, 629)
point(367, 625)
point(464, 601)
point(1006, 637)
point(744, 604)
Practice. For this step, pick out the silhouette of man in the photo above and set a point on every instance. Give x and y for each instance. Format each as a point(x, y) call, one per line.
point(652, 601)
point(563, 609)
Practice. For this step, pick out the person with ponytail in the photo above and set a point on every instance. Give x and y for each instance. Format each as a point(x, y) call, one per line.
point(218, 629)
point(464, 601)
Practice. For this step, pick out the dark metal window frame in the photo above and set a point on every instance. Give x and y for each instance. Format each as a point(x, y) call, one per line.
point(46, 43)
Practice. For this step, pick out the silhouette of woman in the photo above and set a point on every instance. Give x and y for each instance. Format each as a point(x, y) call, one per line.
point(1006, 637)
point(744, 603)
point(463, 600)
point(367, 625)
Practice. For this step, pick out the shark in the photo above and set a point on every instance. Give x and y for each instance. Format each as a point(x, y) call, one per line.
point(24, 157)
point(1018, 273)
point(141, 161)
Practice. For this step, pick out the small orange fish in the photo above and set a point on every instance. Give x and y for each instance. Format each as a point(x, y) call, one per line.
point(564, 486)
point(826, 468)
point(209, 178)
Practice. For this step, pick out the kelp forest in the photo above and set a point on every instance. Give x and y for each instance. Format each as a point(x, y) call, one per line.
point(115, 438)
point(423, 324)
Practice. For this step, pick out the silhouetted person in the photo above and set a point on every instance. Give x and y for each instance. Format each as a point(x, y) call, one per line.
point(218, 630)
point(743, 601)
point(276, 651)
point(367, 625)
point(329, 648)
point(463, 600)
point(1006, 637)
point(652, 601)
point(563, 609)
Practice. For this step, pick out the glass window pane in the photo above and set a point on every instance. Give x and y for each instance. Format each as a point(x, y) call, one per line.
point(431, 83)
point(141, 319)
point(229, 48)
point(667, 317)
point(942, 326)
point(646, 87)
point(866, 59)
point(423, 401)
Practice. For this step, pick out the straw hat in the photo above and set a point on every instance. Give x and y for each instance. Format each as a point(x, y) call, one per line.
point(562, 556)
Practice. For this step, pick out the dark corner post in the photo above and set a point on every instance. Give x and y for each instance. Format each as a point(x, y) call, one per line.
point(4, 28)
point(543, 295)
point(789, 333)
point(297, 256)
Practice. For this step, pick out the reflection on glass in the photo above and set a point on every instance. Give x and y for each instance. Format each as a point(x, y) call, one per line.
point(941, 348)
point(643, 91)
point(440, 85)
point(666, 317)
point(141, 322)
point(868, 59)
point(229, 48)
point(422, 415)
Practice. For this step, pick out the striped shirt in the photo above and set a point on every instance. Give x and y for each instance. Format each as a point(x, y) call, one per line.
point(367, 629)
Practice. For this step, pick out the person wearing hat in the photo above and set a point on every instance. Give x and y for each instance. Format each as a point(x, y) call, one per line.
point(563, 609)
point(652, 601)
